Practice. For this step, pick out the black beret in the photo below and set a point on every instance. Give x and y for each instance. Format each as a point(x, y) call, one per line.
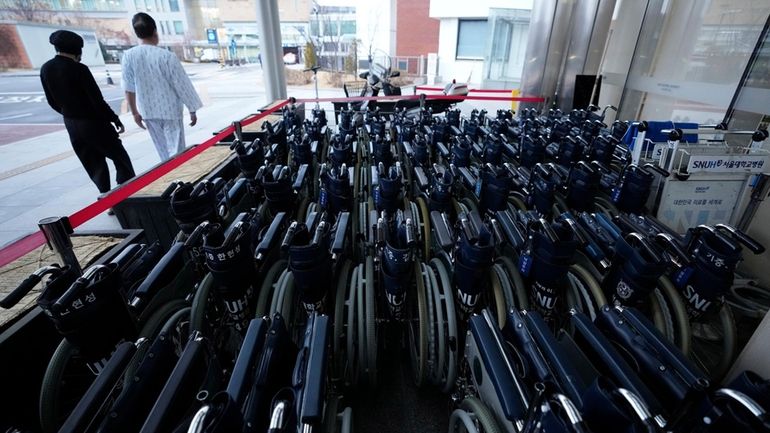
point(66, 41)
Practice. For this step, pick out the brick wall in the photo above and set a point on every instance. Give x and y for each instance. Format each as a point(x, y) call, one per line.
point(416, 32)
point(12, 52)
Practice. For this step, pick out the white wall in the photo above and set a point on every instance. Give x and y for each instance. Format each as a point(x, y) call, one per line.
point(450, 68)
point(449, 12)
point(39, 50)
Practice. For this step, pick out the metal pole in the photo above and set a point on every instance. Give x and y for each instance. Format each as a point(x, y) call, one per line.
point(57, 232)
point(270, 45)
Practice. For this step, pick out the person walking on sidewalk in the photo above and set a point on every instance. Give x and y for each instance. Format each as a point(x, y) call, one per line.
point(92, 125)
point(156, 88)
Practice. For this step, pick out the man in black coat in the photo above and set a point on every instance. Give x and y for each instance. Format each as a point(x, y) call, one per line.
point(92, 125)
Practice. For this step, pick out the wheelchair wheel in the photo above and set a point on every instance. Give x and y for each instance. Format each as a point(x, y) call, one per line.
point(521, 297)
point(351, 371)
point(343, 282)
point(714, 343)
point(180, 314)
point(587, 295)
point(585, 263)
point(477, 409)
point(517, 203)
point(677, 323)
point(65, 381)
point(369, 322)
point(461, 421)
point(446, 373)
point(505, 283)
point(269, 285)
point(606, 206)
point(283, 302)
point(469, 204)
point(435, 324)
point(201, 303)
point(498, 298)
point(302, 209)
point(417, 326)
point(425, 223)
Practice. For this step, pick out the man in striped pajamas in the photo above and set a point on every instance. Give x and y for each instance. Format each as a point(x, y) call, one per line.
point(157, 87)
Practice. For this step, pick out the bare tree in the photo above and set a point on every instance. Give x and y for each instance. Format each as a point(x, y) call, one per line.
point(25, 10)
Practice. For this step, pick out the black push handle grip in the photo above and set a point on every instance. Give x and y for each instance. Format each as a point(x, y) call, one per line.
point(19, 292)
point(750, 243)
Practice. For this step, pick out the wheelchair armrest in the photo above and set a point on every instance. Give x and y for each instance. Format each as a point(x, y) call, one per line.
point(272, 236)
point(181, 386)
point(242, 376)
point(426, 129)
point(338, 245)
point(651, 352)
point(560, 363)
point(161, 274)
point(477, 148)
point(408, 149)
point(484, 130)
point(510, 392)
point(509, 150)
point(237, 191)
point(442, 230)
point(511, 231)
point(469, 180)
point(422, 179)
point(315, 378)
point(299, 181)
point(600, 349)
point(442, 149)
point(100, 390)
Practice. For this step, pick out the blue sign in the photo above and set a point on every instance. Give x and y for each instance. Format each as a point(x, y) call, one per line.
point(211, 35)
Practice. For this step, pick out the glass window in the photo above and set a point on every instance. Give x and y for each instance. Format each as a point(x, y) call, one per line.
point(471, 39)
point(348, 27)
point(178, 27)
point(173, 5)
point(162, 28)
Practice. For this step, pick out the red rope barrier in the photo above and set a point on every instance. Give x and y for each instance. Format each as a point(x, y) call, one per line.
point(23, 246)
point(29, 243)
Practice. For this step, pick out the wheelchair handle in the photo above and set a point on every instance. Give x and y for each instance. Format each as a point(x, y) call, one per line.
point(196, 235)
point(198, 188)
point(170, 189)
point(27, 285)
point(639, 407)
point(672, 246)
point(237, 230)
point(646, 246)
point(572, 412)
point(286, 242)
point(657, 169)
point(410, 237)
point(82, 281)
point(744, 400)
point(319, 231)
point(743, 238)
point(198, 423)
point(278, 417)
point(467, 228)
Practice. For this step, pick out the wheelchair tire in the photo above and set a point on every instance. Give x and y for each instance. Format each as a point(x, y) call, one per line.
point(470, 204)
point(588, 292)
point(447, 379)
point(519, 288)
point(302, 209)
point(560, 204)
point(370, 317)
point(65, 366)
point(482, 413)
point(681, 322)
point(425, 222)
point(200, 303)
point(505, 282)
point(277, 299)
point(720, 345)
point(517, 203)
point(339, 323)
point(269, 283)
point(498, 298)
point(462, 418)
point(353, 368)
point(606, 206)
point(435, 325)
point(360, 323)
point(418, 341)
